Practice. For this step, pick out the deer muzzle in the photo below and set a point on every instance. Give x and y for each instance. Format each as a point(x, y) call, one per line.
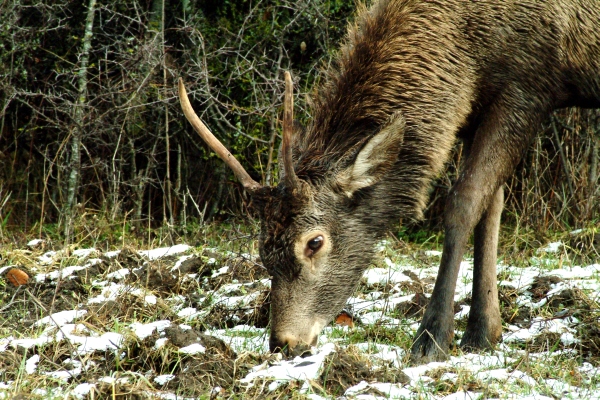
point(297, 339)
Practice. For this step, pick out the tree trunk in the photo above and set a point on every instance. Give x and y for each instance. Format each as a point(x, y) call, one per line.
point(78, 117)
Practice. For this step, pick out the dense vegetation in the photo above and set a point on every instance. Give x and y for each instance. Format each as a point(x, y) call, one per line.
point(90, 126)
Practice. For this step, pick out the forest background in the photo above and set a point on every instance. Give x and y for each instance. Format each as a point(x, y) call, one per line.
point(91, 131)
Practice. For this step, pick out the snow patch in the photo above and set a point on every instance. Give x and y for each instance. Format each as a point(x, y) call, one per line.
point(119, 274)
point(194, 348)
point(61, 318)
point(297, 369)
point(550, 248)
point(35, 243)
point(163, 379)
point(31, 364)
point(161, 252)
point(142, 331)
point(82, 390)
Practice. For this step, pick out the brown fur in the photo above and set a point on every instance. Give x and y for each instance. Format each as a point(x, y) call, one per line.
point(411, 78)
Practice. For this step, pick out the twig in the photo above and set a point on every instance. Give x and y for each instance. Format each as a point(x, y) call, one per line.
point(566, 167)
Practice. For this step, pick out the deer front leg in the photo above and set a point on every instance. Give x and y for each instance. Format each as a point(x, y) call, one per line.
point(497, 148)
point(436, 331)
point(484, 327)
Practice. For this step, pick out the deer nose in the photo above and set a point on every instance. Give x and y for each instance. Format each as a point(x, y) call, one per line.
point(289, 345)
point(282, 343)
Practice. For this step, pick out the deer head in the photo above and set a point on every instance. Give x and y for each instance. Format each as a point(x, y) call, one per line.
point(317, 237)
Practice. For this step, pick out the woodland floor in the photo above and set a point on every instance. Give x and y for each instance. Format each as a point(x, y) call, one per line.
point(184, 322)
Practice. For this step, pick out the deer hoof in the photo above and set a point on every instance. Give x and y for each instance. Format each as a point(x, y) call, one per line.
point(434, 337)
point(426, 351)
point(481, 339)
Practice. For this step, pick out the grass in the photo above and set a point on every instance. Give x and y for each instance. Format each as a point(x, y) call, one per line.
point(232, 352)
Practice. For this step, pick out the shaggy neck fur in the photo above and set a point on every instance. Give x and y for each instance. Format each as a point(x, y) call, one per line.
point(397, 57)
point(439, 63)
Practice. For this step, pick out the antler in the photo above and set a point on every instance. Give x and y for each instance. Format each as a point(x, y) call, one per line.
point(214, 143)
point(291, 179)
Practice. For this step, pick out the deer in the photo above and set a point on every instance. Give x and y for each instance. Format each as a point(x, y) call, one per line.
point(412, 78)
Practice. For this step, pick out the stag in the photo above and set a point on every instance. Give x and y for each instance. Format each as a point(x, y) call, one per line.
point(413, 77)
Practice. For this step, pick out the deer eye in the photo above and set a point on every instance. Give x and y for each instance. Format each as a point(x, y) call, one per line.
point(314, 245)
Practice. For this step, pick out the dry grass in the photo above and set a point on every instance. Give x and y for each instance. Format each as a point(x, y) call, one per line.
point(128, 373)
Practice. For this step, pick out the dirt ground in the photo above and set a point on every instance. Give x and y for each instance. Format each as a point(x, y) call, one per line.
point(158, 289)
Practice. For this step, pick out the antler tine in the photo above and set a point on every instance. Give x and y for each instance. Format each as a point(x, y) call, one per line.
point(288, 126)
point(214, 143)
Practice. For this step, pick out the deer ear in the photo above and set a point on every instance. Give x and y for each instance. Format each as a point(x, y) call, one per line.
point(375, 159)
